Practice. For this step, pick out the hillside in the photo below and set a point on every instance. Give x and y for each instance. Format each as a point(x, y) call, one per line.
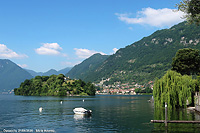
point(84, 69)
point(11, 75)
point(33, 73)
point(65, 70)
point(148, 58)
point(50, 72)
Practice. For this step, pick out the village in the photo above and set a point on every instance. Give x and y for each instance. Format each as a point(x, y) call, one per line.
point(119, 88)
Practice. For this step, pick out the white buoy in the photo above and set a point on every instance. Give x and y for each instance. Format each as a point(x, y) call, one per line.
point(60, 102)
point(40, 109)
point(83, 100)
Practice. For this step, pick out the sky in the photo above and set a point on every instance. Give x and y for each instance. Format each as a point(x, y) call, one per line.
point(54, 34)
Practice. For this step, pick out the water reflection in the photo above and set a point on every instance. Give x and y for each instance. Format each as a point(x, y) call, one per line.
point(81, 117)
point(176, 114)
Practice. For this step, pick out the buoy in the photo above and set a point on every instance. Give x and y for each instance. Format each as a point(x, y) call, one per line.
point(40, 109)
point(83, 100)
point(60, 102)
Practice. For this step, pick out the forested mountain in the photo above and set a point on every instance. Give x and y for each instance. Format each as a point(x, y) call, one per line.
point(11, 75)
point(64, 71)
point(148, 58)
point(33, 73)
point(84, 69)
point(50, 72)
point(139, 62)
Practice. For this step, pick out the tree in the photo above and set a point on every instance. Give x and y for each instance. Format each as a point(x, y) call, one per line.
point(175, 89)
point(138, 90)
point(186, 61)
point(55, 85)
point(148, 90)
point(192, 10)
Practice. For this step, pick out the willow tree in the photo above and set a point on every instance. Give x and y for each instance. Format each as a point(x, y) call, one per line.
point(175, 89)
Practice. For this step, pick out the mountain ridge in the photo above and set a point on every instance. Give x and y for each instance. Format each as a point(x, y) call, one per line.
point(49, 72)
point(11, 75)
point(148, 58)
point(139, 62)
point(82, 70)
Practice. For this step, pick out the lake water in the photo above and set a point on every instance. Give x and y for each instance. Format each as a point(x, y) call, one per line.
point(110, 114)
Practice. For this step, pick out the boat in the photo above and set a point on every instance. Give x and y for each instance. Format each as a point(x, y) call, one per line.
point(82, 111)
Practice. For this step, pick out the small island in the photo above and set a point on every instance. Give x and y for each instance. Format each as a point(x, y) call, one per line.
point(55, 85)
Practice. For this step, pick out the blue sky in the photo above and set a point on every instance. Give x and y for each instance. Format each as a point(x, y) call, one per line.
point(55, 34)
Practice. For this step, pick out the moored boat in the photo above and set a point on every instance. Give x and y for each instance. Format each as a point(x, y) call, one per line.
point(82, 111)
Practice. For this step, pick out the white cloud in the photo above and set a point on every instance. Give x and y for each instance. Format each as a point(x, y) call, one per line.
point(8, 53)
point(114, 50)
point(23, 65)
point(49, 49)
point(52, 46)
point(153, 17)
point(85, 53)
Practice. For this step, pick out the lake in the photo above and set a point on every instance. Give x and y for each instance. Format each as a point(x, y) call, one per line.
point(110, 113)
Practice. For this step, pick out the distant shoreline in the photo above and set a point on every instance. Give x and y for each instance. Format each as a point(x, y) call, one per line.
point(148, 94)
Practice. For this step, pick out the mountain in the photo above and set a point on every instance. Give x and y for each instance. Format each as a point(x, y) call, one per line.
point(50, 72)
point(33, 73)
point(65, 70)
point(11, 75)
point(150, 57)
point(82, 70)
point(146, 59)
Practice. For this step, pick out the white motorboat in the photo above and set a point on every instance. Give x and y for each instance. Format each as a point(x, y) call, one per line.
point(82, 111)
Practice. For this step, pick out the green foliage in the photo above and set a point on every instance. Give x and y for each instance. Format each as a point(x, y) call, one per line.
point(192, 10)
point(138, 90)
point(54, 85)
point(146, 90)
point(175, 89)
point(187, 61)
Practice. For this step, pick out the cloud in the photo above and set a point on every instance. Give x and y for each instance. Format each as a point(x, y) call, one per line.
point(114, 51)
point(23, 65)
point(153, 17)
point(50, 49)
point(85, 53)
point(8, 53)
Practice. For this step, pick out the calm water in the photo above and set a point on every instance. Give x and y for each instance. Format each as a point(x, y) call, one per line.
point(110, 114)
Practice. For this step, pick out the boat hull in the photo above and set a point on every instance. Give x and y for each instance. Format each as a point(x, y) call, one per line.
point(82, 111)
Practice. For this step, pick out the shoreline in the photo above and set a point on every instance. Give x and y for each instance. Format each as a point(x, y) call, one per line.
point(149, 94)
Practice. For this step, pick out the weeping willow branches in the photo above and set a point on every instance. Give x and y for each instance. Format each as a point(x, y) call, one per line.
point(175, 89)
